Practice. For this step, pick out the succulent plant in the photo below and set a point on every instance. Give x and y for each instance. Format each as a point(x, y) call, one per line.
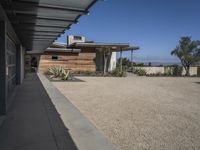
point(58, 72)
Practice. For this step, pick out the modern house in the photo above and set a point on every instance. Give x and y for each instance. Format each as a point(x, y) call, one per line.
point(31, 25)
point(77, 55)
point(33, 113)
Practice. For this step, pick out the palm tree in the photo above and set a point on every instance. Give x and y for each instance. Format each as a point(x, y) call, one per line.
point(188, 52)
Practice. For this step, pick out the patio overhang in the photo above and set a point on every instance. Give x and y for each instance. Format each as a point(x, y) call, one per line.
point(38, 23)
point(100, 45)
point(133, 48)
point(116, 47)
point(63, 50)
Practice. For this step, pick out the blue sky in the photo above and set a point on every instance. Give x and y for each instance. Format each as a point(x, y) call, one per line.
point(154, 25)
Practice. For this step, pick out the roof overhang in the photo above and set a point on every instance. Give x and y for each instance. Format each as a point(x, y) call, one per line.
point(133, 48)
point(38, 23)
point(100, 45)
point(63, 50)
point(113, 46)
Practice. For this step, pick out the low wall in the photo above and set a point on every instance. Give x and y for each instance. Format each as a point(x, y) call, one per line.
point(162, 70)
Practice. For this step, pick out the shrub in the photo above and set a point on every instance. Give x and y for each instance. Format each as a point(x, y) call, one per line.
point(118, 73)
point(167, 74)
point(177, 70)
point(198, 71)
point(58, 72)
point(140, 71)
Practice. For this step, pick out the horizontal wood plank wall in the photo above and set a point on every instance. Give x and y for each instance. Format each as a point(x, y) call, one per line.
point(83, 61)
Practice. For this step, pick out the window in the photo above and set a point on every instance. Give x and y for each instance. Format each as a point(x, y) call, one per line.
point(77, 38)
point(54, 57)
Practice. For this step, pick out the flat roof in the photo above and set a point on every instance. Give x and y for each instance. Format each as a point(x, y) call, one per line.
point(113, 46)
point(95, 44)
point(38, 23)
point(63, 50)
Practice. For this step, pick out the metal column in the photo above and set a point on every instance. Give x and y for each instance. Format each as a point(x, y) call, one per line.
point(132, 60)
point(121, 60)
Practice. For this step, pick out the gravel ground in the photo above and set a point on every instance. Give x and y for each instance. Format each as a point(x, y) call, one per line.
point(138, 113)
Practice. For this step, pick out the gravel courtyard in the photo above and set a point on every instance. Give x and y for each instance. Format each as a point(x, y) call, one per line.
point(138, 113)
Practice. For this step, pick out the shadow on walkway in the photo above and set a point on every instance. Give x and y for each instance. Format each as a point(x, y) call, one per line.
point(32, 122)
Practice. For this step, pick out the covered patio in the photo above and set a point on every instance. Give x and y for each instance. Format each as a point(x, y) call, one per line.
point(108, 48)
point(31, 25)
point(33, 114)
point(41, 118)
point(32, 122)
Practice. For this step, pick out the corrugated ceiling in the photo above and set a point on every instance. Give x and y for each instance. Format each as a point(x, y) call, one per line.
point(38, 23)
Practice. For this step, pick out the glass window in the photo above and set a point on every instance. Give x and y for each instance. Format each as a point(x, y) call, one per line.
point(77, 38)
point(54, 57)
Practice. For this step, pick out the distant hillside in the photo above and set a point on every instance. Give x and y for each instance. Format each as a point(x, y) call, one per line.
point(160, 63)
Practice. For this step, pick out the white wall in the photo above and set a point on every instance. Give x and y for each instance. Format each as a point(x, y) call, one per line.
point(113, 61)
point(193, 71)
point(154, 70)
point(71, 40)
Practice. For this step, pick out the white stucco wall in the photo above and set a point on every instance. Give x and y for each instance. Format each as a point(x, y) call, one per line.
point(71, 40)
point(193, 71)
point(113, 61)
point(154, 70)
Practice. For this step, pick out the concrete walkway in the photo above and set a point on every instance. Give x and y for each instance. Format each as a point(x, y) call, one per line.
point(41, 118)
point(85, 135)
point(32, 122)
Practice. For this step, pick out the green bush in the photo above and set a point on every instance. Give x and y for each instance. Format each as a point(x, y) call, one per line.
point(198, 71)
point(118, 73)
point(177, 70)
point(167, 74)
point(58, 72)
point(139, 71)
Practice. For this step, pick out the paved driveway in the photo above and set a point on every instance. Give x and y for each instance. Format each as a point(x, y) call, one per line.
point(141, 112)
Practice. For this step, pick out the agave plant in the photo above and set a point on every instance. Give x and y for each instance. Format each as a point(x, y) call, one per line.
point(58, 72)
point(65, 74)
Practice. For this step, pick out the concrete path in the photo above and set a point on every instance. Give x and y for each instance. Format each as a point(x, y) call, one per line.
point(32, 122)
point(41, 118)
point(85, 135)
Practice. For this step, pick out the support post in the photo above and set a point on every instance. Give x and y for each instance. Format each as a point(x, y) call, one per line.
point(121, 60)
point(3, 68)
point(132, 59)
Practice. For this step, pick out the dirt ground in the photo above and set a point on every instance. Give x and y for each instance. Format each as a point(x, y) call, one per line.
point(138, 113)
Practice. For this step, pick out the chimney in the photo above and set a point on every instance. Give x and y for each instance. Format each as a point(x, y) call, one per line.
point(75, 39)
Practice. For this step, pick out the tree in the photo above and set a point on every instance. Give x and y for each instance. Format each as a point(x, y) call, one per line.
point(125, 62)
point(106, 53)
point(188, 52)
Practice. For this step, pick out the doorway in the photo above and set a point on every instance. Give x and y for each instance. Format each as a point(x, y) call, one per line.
point(34, 64)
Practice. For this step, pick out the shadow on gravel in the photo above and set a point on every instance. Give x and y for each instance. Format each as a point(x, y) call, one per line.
point(197, 82)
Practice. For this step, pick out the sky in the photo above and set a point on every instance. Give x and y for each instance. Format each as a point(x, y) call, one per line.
point(154, 25)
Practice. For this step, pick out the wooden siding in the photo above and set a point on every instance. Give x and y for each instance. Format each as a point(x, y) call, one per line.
point(84, 61)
